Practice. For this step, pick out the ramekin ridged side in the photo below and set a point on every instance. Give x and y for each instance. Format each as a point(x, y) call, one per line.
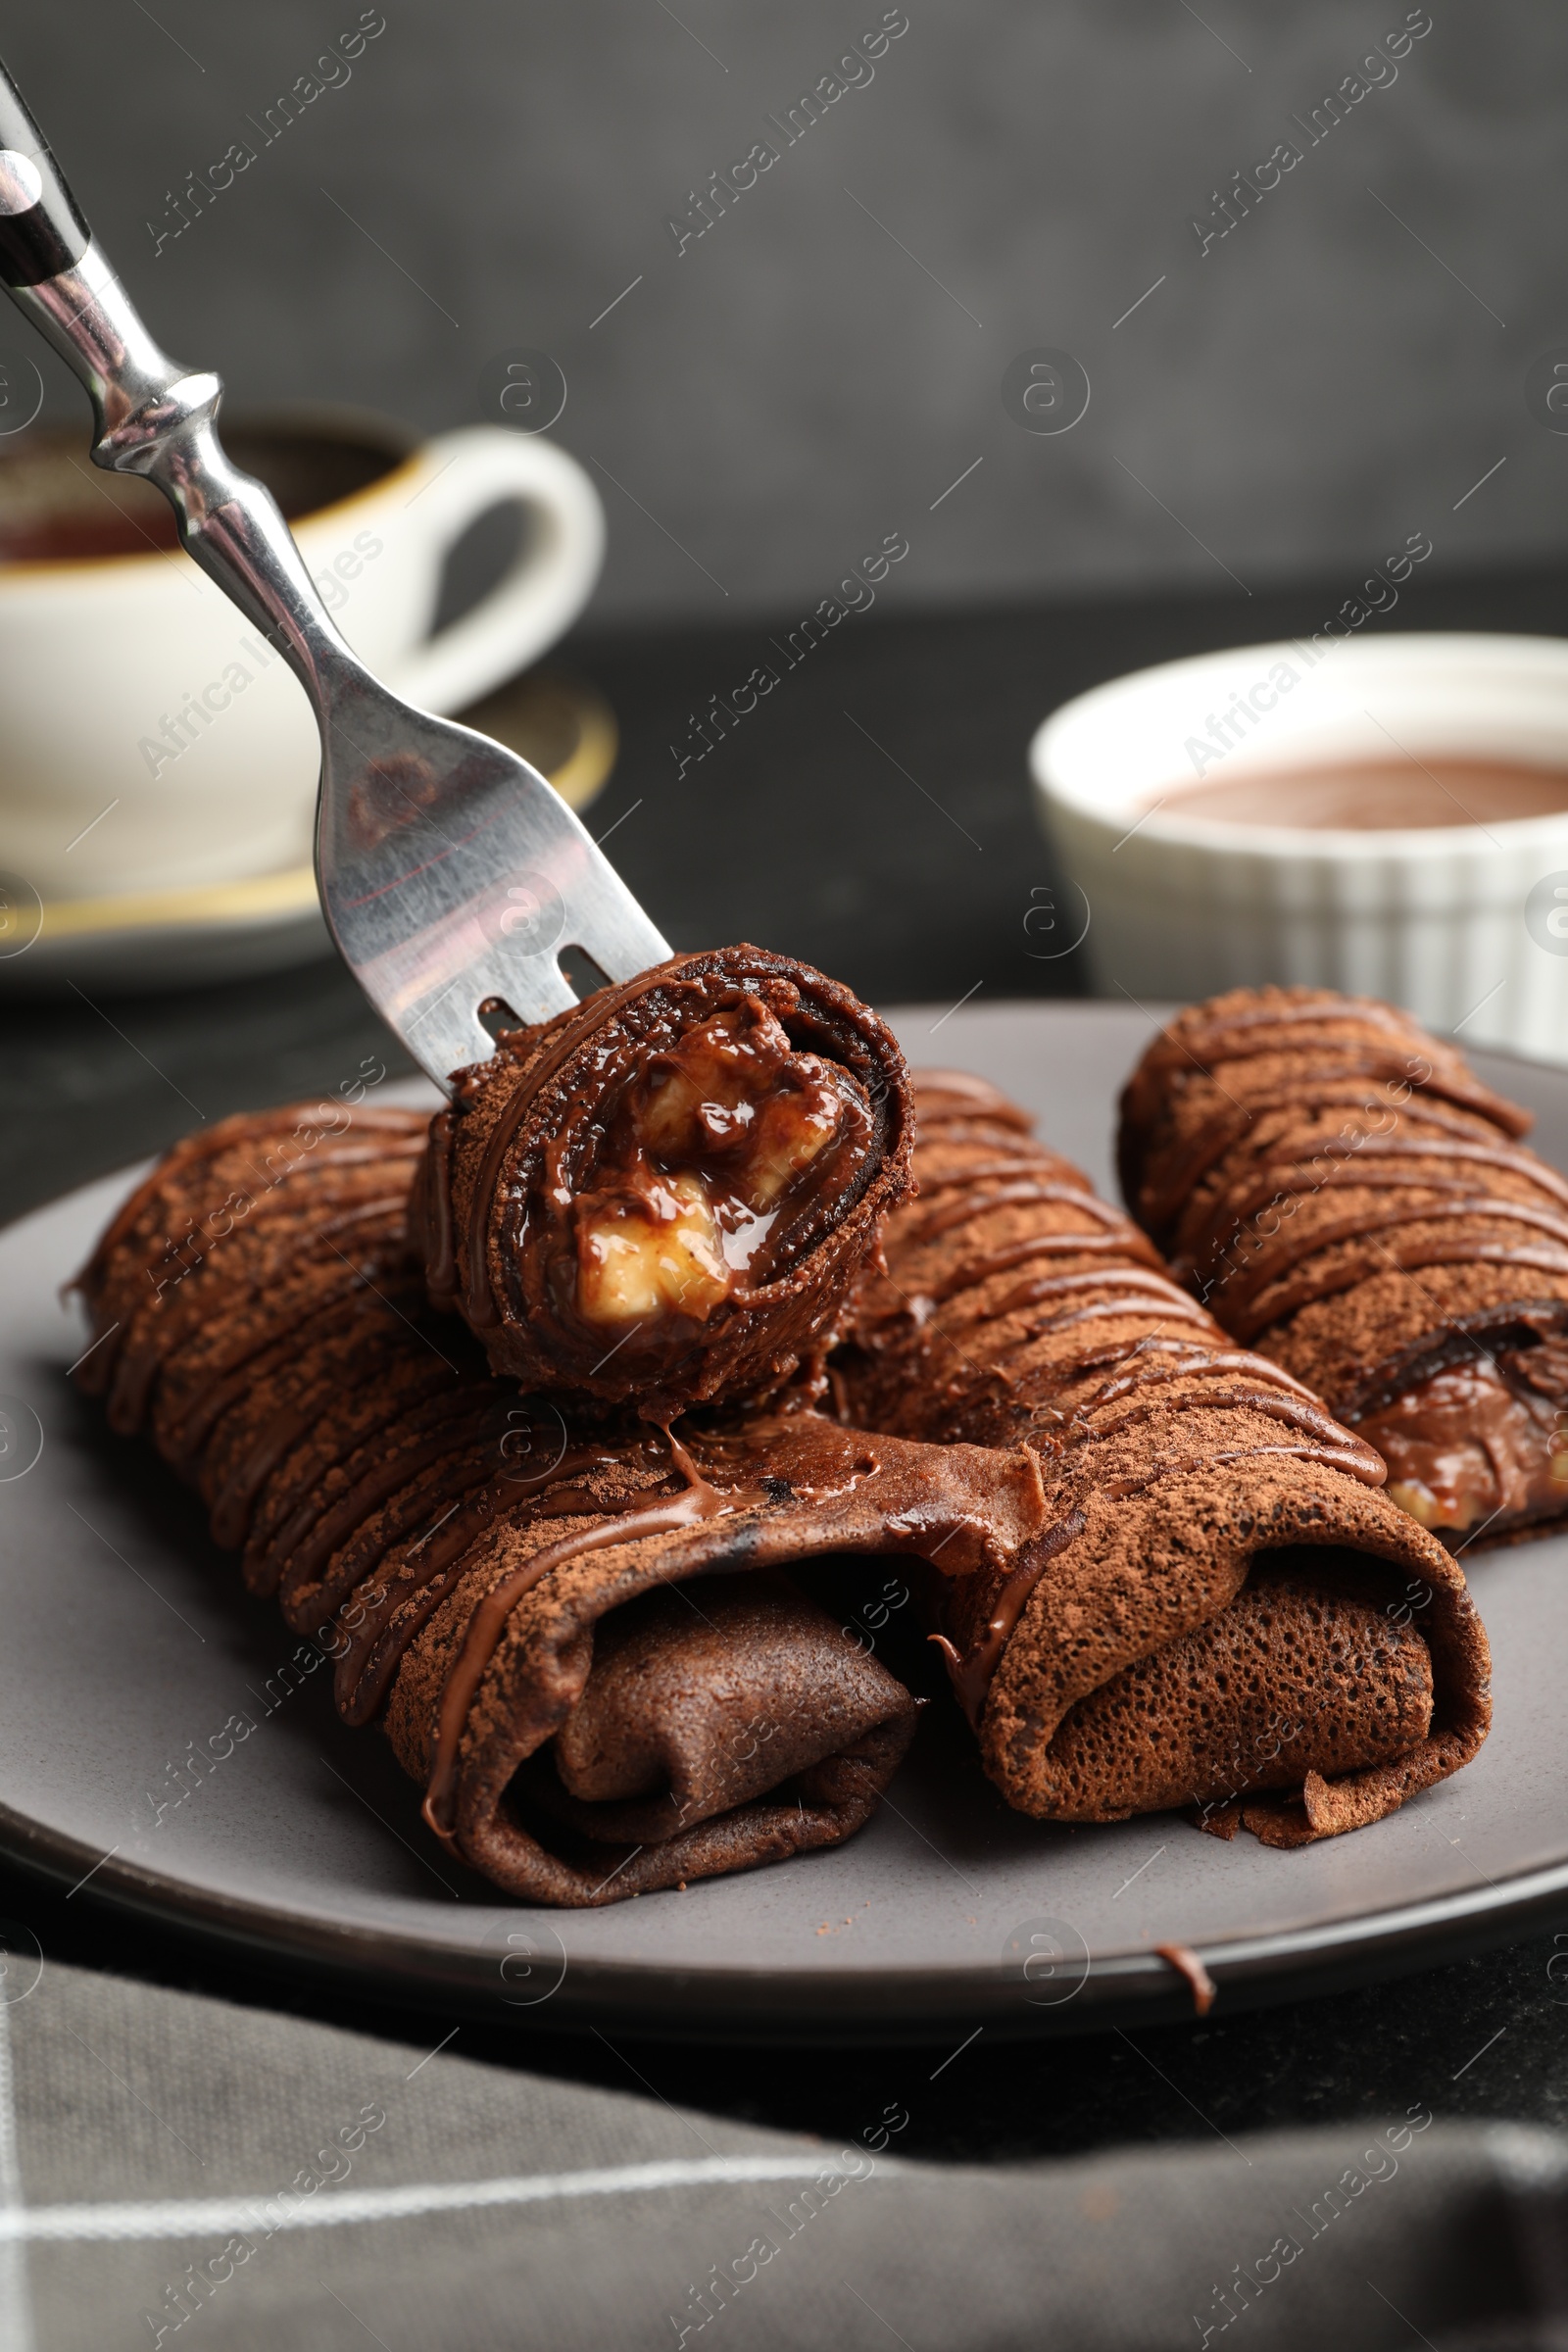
point(1441, 920)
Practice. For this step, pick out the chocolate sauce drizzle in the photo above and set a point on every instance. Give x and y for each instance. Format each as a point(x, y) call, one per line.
point(1263, 1232)
point(1117, 1277)
point(1190, 1968)
point(486, 1628)
point(1160, 1199)
point(577, 1030)
point(431, 1566)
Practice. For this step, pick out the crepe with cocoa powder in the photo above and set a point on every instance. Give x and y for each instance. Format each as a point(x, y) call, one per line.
point(1222, 1608)
point(578, 1634)
point(1346, 1194)
point(664, 1194)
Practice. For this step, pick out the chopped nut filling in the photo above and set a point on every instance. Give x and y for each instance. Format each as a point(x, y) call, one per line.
point(719, 1146)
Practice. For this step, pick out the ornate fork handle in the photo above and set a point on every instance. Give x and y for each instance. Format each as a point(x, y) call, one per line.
point(153, 417)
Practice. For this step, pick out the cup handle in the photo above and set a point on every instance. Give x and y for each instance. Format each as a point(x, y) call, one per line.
point(538, 598)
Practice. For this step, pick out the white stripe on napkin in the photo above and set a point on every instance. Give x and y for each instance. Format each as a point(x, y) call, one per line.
point(191, 2217)
point(16, 2312)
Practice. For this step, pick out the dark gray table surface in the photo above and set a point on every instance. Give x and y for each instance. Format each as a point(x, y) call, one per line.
point(872, 815)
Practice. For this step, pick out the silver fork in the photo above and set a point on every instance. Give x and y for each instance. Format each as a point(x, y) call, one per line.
point(452, 876)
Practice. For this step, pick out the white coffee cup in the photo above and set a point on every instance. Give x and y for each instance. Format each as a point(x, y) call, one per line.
point(1467, 926)
point(149, 739)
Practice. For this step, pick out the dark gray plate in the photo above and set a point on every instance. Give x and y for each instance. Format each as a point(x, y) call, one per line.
point(129, 1644)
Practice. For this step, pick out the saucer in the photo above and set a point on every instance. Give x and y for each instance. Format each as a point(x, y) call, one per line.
point(557, 724)
point(270, 922)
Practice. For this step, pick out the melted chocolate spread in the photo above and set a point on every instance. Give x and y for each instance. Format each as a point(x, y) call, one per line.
point(1478, 1442)
point(1379, 794)
point(741, 1131)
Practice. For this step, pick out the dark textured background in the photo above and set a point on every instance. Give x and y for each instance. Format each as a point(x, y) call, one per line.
point(765, 407)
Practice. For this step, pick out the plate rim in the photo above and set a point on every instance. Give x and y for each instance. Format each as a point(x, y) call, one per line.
point(894, 2004)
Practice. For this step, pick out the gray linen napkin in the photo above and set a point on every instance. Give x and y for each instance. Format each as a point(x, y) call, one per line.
point(175, 2171)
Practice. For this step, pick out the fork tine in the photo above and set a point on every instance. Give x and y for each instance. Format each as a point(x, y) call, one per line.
point(451, 872)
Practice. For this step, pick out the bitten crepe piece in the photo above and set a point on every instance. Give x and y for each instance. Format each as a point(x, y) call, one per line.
point(1222, 1610)
point(1343, 1192)
point(580, 1635)
point(664, 1194)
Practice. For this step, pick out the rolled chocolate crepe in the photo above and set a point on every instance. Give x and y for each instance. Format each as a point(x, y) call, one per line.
point(1345, 1194)
point(664, 1194)
point(580, 1635)
point(1222, 1610)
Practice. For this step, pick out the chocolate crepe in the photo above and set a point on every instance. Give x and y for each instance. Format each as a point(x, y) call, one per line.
point(1341, 1190)
point(578, 1634)
point(664, 1194)
point(1221, 1609)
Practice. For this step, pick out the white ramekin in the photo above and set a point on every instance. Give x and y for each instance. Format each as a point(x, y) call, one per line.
point(1463, 925)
